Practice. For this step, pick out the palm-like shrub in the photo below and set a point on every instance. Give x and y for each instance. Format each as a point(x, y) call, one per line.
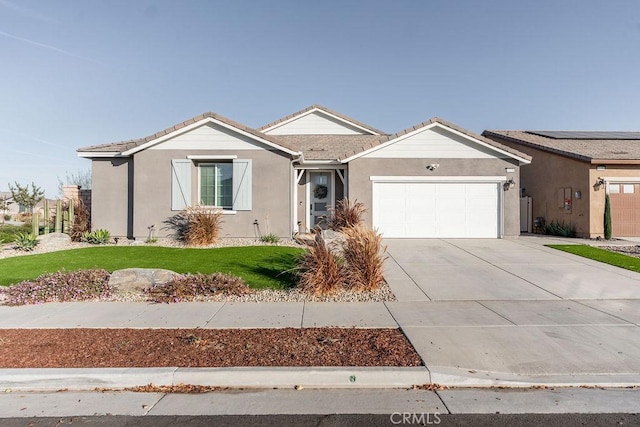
point(346, 214)
point(320, 272)
point(364, 257)
point(98, 237)
point(26, 241)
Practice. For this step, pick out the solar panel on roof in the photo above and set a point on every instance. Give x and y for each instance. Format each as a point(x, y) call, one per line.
point(563, 134)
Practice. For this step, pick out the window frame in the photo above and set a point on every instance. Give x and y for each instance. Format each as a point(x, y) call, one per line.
point(215, 186)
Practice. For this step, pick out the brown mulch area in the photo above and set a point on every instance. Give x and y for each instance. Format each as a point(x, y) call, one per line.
point(102, 348)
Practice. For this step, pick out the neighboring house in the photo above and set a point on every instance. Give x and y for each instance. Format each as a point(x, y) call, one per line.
point(431, 180)
point(571, 173)
point(13, 209)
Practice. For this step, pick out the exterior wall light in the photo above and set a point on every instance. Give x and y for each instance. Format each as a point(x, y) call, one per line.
point(599, 183)
point(433, 166)
point(509, 184)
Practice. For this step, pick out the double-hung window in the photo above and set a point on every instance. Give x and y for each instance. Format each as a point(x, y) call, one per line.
point(216, 184)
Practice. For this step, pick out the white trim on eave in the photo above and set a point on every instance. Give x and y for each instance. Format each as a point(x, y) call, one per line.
point(201, 123)
point(91, 154)
point(447, 128)
point(456, 178)
point(316, 109)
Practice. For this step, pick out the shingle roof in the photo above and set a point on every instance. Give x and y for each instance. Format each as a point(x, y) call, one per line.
point(581, 149)
point(330, 147)
point(128, 145)
point(325, 109)
point(313, 147)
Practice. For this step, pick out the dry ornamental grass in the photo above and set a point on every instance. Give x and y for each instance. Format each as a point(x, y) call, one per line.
point(364, 258)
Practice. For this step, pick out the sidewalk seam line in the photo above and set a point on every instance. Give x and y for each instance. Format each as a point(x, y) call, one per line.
point(443, 402)
point(602, 311)
point(410, 278)
point(493, 311)
point(506, 271)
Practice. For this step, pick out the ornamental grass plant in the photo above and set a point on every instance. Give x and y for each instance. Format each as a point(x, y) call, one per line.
point(364, 258)
point(320, 271)
point(346, 214)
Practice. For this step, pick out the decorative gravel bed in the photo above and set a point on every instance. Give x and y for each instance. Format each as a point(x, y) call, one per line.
point(633, 251)
point(102, 348)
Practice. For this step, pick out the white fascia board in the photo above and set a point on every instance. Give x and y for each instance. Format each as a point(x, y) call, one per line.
point(495, 178)
point(430, 126)
point(484, 144)
point(90, 154)
point(621, 179)
point(369, 131)
point(211, 157)
point(201, 123)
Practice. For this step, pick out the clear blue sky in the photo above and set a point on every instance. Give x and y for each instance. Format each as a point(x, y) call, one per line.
point(76, 72)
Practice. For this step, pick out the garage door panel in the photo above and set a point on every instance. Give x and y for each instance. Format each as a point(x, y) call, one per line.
point(440, 210)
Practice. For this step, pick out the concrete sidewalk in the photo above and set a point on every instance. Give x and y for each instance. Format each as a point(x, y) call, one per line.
point(479, 313)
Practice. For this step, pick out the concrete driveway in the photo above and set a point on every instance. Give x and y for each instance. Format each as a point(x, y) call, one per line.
point(514, 310)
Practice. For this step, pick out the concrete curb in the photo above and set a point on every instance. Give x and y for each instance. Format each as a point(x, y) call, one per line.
point(43, 379)
point(452, 377)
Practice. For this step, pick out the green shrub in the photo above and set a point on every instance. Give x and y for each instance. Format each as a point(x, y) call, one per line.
point(364, 258)
point(98, 237)
point(346, 214)
point(26, 241)
point(555, 228)
point(191, 286)
point(270, 238)
point(320, 271)
point(608, 229)
point(7, 217)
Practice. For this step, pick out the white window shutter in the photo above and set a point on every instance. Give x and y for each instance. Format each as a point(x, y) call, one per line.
point(180, 184)
point(242, 184)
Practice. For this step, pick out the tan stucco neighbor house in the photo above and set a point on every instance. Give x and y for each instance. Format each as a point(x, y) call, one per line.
point(431, 180)
point(572, 171)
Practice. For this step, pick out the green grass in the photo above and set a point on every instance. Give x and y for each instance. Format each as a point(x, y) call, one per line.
point(597, 254)
point(8, 232)
point(259, 266)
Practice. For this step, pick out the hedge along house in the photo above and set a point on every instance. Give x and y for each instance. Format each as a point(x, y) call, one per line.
point(573, 170)
point(431, 180)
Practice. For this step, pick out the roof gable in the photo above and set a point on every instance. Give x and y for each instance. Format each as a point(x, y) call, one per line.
point(127, 148)
point(318, 120)
point(438, 137)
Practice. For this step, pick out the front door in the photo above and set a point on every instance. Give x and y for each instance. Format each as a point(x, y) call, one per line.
point(321, 198)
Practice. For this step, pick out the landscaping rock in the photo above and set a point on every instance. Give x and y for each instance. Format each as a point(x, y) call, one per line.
point(334, 240)
point(137, 279)
point(53, 241)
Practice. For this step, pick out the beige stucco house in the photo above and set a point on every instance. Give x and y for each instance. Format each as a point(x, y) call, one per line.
point(431, 180)
point(572, 171)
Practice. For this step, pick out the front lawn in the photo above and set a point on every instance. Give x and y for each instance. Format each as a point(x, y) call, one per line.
point(602, 255)
point(259, 266)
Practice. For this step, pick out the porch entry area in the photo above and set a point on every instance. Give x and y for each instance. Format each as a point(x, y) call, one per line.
point(317, 191)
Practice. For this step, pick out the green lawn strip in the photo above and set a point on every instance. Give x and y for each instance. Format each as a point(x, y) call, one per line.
point(602, 255)
point(259, 266)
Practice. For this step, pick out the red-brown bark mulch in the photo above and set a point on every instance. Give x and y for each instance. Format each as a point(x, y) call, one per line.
point(102, 348)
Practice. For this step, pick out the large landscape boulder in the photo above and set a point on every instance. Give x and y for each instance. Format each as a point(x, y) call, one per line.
point(53, 241)
point(137, 279)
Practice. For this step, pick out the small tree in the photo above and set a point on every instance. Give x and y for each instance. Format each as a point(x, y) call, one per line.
point(26, 197)
point(607, 218)
point(4, 206)
point(82, 179)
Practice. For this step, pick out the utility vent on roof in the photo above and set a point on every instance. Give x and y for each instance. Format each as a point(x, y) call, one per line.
point(586, 134)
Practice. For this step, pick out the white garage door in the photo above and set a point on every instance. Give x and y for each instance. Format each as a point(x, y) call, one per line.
point(435, 209)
